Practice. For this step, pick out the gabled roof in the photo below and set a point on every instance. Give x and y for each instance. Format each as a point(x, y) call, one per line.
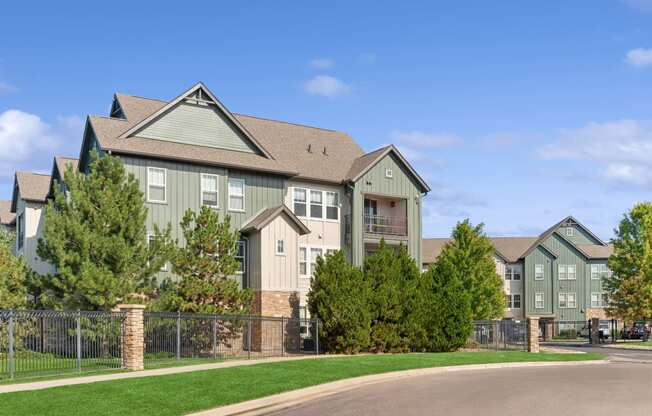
point(510, 249)
point(367, 161)
point(6, 216)
point(266, 216)
point(547, 233)
point(33, 187)
point(203, 91)
point(296, 150)
point(594, 251)
point(62, 162)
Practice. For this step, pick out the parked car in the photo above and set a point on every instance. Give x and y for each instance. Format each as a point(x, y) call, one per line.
point(638, 330)
point(604, 328)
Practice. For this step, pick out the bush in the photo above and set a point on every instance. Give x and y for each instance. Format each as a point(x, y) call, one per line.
point(339, 297)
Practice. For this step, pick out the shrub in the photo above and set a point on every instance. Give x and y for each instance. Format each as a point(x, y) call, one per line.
point(339, 297)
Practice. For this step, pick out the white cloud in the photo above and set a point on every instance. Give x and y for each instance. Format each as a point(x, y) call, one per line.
point(21, 134)
point(327, 86)
point(322, 63)
point(4, 87)
point(621, 150)
point(421, 140)
point(639, 57)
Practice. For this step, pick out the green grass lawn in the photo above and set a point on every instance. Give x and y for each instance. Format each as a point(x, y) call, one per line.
point(178, 394)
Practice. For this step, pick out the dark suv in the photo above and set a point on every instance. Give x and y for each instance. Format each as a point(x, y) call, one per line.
point(637, 331)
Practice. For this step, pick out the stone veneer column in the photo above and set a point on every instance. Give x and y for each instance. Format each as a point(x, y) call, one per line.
point(133, 346)
point(533, 334)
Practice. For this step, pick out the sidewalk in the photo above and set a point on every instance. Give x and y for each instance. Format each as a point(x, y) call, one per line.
point(46, 384)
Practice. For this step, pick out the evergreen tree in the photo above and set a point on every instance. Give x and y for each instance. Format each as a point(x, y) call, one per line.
point(339, 297)
point(415, 299)
point(469, 258)
point(96, 239)
point(630, 286)
point(450, 320)
point(205, 266)
point(13, 275)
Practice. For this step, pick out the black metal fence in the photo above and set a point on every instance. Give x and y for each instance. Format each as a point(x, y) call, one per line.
point(42, 343)
point(608, 330)
point(505, 335)
point(183, 338)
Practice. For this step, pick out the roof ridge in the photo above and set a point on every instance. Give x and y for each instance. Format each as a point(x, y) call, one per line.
point(141, 97)
point(108, 117)
point(33, 173)
point(288, 122)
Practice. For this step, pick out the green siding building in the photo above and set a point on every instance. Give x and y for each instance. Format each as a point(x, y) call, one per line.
point(557, 276)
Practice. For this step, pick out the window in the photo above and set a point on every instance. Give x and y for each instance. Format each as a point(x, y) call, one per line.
point(567, 272)
point(570, 231)
point(509, 301)
point(538, 272)
point(567, 300)
point(512, 272)
point(599, 300)
point(151, 238)
point(538, 300)
point(314, 254)
point(299, 199)
point(303, 261)
point(516, 304)
point(599, 271)
point(156, 181)
point(20, 225)
point(236, 194)
point(389, 173)
point(241, 256)
point(316, 209)
point(209, 190)
point(332, 205)
point(280, 247)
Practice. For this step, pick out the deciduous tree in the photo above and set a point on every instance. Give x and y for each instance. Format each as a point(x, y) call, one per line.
point(13, 275)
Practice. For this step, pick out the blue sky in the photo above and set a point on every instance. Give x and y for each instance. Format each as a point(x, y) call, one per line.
point(517, 113)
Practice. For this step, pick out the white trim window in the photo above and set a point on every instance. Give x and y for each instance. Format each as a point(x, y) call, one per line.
point(516, 301)
point(299, 202)
point(567, 300)
point(513, 272)
point(567, 272)
point(599, 271)
point(315, 253)
point(303, 261)
point(209, 190)
point(236, 194)
point(241, 256)
point(280, 247)
point(316, 204)
point(389, 173)
point(150, 238)
point(332, 205)
point(599, 300)
point(539, 300)
point(570, 231)
point(539, 272)
point(157, 185)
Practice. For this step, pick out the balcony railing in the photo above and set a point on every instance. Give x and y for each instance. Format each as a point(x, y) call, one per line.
point(378, 224)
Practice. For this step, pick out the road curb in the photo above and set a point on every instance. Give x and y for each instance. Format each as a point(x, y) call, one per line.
point(293, 398)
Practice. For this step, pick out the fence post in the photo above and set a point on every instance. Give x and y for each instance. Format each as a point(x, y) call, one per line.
point(10, 335)
point(316, 336)
point(178, 335)
point(214, 337)
point(133, 343)
point(282, 336)
point(78, 341)
point(533, 334)
point(249, 338)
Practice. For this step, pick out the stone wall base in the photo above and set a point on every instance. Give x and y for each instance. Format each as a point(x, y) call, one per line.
point(275, 336)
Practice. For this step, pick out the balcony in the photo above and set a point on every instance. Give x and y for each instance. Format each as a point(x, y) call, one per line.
point(385, 226)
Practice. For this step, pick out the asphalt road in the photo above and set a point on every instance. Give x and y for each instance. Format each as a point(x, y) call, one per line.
point(615, 388)
point(614, 354)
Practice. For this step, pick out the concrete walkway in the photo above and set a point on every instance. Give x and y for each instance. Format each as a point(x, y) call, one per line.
point(46, 384)
point(294, 398)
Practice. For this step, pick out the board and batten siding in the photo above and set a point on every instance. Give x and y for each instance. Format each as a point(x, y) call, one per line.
point(183, 192)
point(538, 256)
point(401, 185)
point(279, 272)
point(579, 236)
point(197, 124)
point(34, 223)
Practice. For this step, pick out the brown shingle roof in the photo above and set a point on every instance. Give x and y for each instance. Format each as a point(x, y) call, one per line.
point(595, 251)
point(33, 186)
point(431, 249)
point(259, 222)
point(331, 155)
point(362, 163)
point(62, 162)
point(6, 216)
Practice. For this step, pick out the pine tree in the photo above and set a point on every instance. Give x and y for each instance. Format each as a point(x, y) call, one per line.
point(96, 239)
point(630, 286)
point(340, 298)
point(13, 275)
point(205, 266)
point(469, 258)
